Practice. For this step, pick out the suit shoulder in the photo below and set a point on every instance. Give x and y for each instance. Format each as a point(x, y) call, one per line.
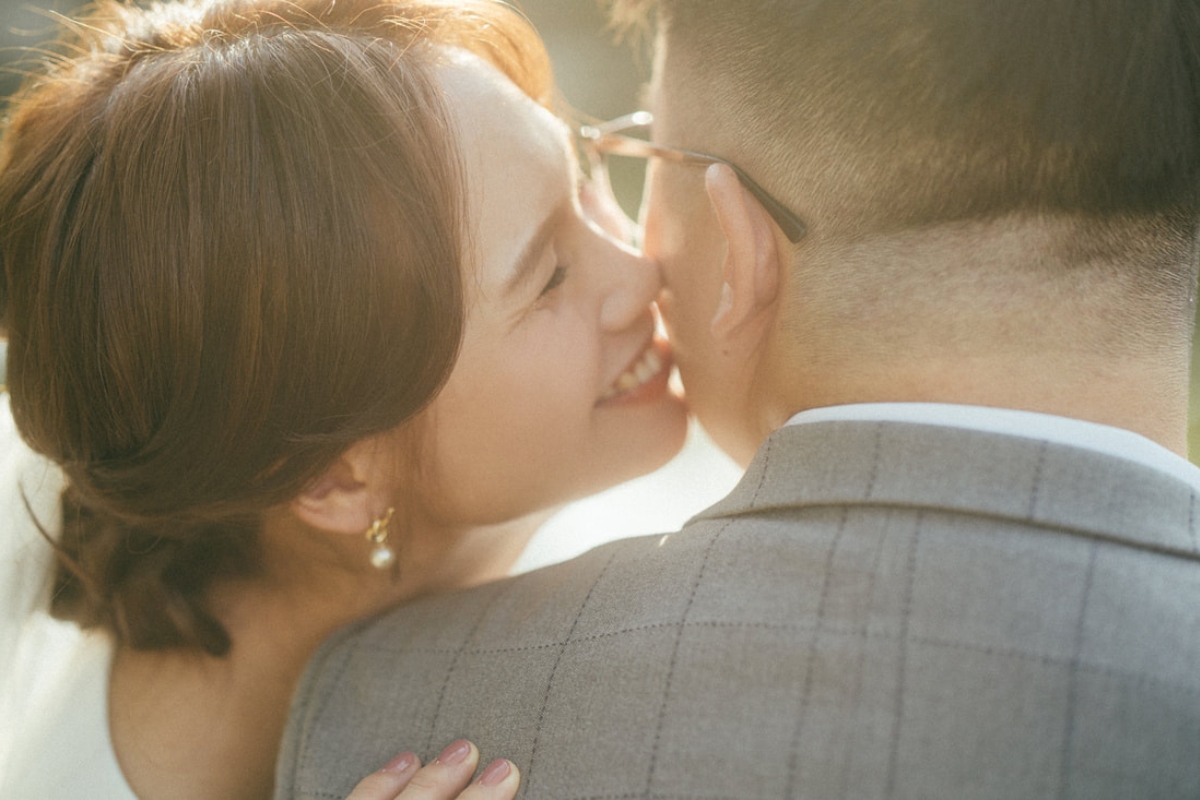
point(639, 572)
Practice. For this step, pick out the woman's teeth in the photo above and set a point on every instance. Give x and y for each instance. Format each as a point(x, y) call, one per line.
point(646, 367)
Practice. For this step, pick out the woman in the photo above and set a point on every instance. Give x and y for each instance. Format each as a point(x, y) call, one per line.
point(304, 307)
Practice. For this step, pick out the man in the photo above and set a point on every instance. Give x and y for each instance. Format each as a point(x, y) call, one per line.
point(964, 559)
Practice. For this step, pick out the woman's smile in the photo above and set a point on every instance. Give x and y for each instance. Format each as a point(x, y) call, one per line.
point(644, 379)
point(560, 326)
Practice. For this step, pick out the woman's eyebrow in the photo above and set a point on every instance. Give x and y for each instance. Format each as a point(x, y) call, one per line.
point(527, 262)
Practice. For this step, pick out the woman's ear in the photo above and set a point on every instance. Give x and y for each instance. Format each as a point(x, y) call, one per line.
point(750, 273)
point(352, 492)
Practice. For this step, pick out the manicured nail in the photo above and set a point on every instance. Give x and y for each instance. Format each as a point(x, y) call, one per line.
point(455, 752)
point(495, 773)
point(401, 763)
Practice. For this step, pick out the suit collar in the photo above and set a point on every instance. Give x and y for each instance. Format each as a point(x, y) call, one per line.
point(939, 468)
point(1049, 427)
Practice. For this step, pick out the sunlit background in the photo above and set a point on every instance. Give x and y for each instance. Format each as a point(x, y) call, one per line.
point(601, 78)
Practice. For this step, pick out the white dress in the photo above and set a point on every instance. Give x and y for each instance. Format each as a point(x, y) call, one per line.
point(54, 736)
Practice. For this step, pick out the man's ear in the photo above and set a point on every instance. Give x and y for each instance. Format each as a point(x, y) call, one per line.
point(351, 493)
point(750, 273)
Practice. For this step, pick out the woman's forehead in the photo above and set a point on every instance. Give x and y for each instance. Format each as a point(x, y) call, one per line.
point(484, 101)
point(517, 159)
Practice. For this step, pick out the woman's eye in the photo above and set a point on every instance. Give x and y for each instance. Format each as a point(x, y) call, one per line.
point(556, 278)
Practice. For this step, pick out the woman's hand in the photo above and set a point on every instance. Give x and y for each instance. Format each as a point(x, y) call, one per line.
point(446, 778)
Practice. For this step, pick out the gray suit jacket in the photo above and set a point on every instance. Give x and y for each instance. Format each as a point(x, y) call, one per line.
point(878, 610)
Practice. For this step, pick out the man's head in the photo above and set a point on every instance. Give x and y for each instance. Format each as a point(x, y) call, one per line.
point(963, 168)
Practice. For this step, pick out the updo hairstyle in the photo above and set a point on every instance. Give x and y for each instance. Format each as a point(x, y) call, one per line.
point(231, 245)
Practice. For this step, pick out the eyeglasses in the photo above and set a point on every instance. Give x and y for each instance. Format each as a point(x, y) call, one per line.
point(607, 138)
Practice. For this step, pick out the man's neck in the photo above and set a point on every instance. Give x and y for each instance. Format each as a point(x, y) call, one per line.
point(1146, 397)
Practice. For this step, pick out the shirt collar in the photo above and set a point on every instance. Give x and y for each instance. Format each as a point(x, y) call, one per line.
point(1011, 422)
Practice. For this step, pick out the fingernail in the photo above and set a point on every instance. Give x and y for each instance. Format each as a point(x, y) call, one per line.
point(455, 752)
point(401, 763)
point(495, 773)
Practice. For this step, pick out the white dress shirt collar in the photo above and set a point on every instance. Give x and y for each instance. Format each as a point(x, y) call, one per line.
point(1062, 430)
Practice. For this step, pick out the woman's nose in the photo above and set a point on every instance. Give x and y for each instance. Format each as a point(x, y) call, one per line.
point(601, 207)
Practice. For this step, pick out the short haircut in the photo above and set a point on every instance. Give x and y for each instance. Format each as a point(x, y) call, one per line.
point(928, 111)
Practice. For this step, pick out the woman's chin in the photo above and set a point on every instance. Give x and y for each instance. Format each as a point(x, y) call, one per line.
point(658, 438)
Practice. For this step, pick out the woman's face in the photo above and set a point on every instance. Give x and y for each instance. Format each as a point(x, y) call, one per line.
point(560, 388)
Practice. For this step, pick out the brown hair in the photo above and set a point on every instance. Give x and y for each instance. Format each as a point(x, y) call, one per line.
point(232, 246)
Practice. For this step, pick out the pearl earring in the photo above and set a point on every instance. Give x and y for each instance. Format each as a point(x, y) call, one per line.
point(382, 556)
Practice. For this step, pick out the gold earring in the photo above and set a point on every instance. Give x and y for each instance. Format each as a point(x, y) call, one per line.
point(382, 556)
